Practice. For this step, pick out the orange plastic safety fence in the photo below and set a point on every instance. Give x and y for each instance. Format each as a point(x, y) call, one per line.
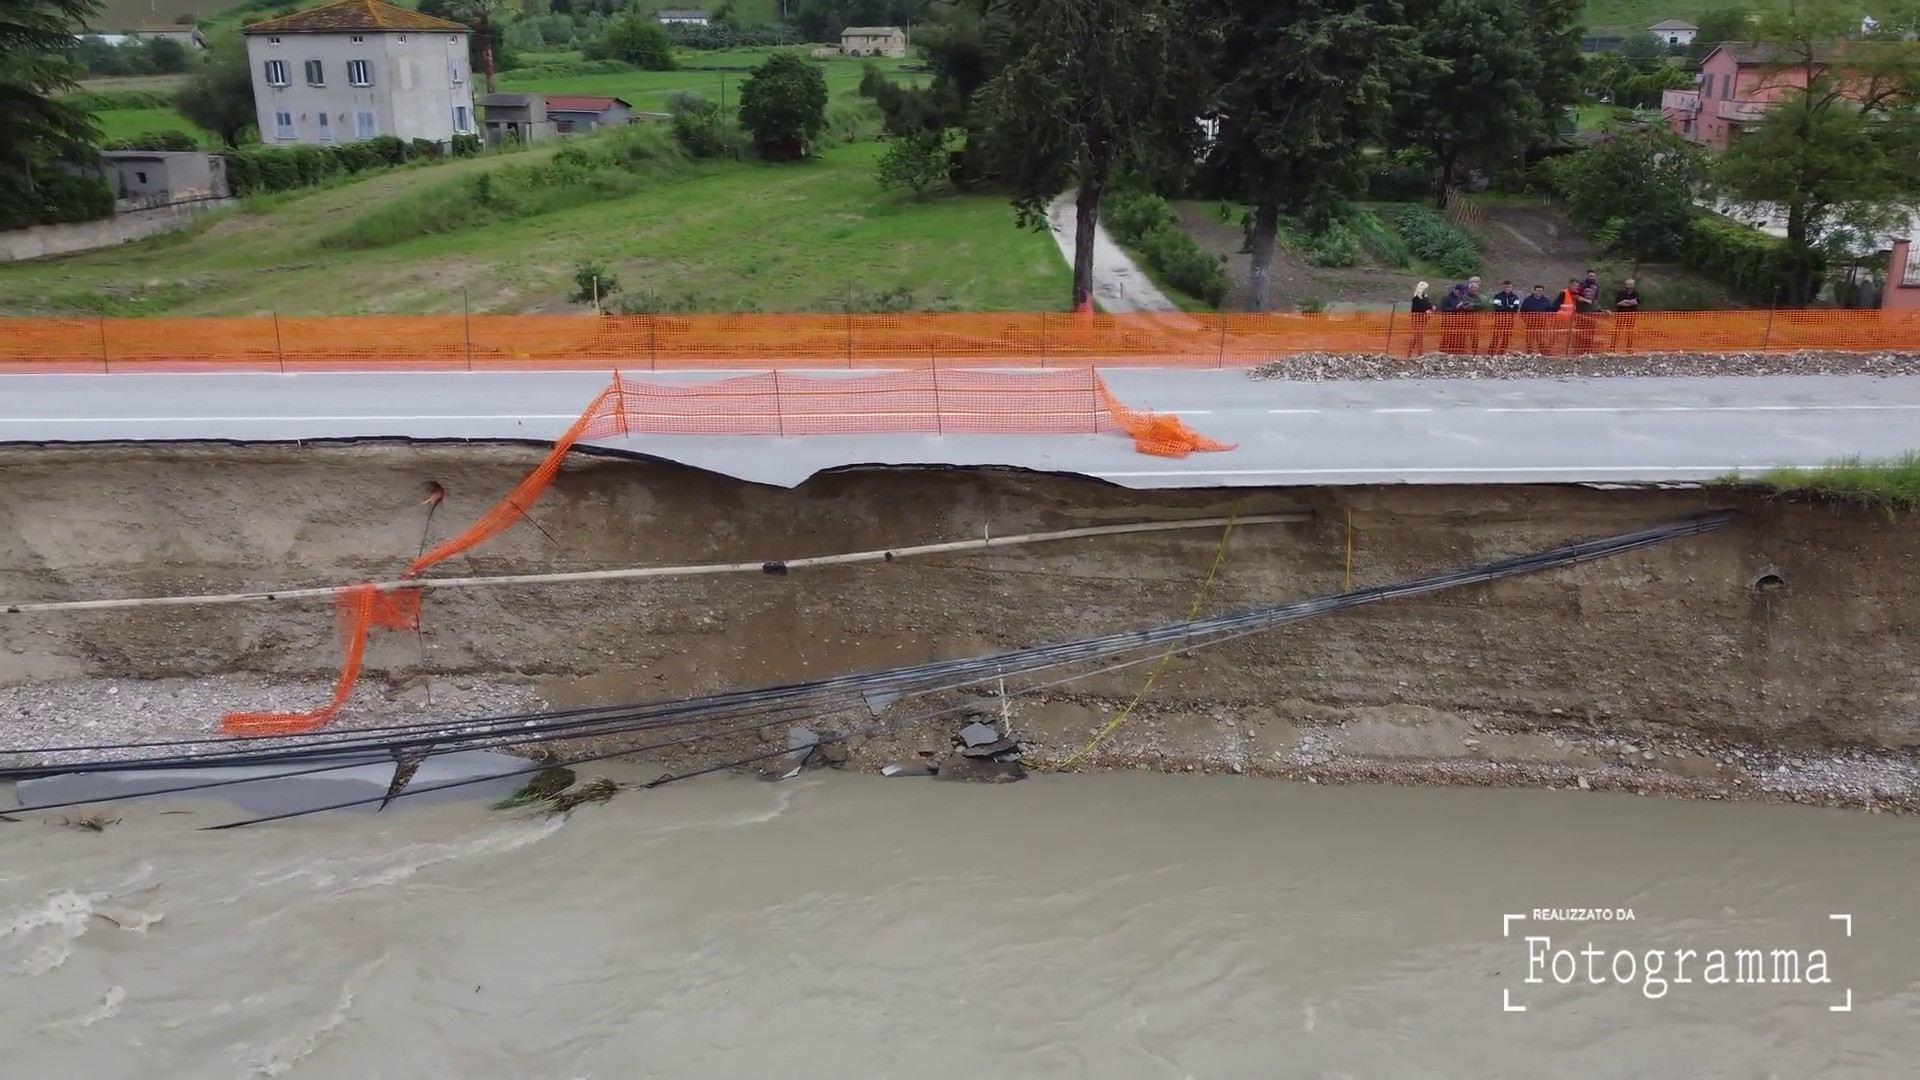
point(1056, 402)
point(1156, 434)
point(358, 608)
point(1062, 340)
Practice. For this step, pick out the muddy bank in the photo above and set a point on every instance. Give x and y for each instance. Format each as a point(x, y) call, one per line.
point(1786, 637)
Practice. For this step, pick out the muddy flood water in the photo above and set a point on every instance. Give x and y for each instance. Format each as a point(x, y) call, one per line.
point(840, 926)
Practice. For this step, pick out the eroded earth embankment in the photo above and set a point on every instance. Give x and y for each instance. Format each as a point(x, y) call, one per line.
point(1773, 658)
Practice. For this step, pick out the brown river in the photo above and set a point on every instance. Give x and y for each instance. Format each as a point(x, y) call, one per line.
point(838, 926)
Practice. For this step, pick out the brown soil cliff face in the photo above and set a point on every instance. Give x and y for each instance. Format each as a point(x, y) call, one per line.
point(1675, 637)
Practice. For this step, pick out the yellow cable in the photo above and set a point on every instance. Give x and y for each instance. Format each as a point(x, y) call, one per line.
point(1193, 612)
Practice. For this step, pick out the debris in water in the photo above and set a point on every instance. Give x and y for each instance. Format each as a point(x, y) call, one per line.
point(999, 749)
point(545, 785)
point(88, 823)
point(597, 790)
point(980, 770)
point(801, 740)
point(979, 734)
point(912, 768)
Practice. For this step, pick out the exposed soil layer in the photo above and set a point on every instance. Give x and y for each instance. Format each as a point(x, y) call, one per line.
point(1778, 652)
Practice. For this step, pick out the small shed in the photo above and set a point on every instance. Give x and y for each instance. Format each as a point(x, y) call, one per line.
point(515, 118)
point(577, 115)
point(873, 41)
point(162, 176)
point(682, 17)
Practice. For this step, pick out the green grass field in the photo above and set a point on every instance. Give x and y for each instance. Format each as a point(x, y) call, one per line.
point(129, 123)
point(648, 91)
point(1634, 16)
point(729, 237)
point(116, 15)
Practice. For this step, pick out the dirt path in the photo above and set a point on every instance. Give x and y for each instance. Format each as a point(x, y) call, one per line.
point(1118, 285)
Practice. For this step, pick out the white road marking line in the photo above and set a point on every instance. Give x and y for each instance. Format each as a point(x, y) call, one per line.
point(270, 419)
point(1697, 408)
point(1407, 410)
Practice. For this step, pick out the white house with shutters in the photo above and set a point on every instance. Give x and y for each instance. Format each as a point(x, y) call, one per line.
point(357, 69)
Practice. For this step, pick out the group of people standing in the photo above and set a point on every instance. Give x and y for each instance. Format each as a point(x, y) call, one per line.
point(1564, 323)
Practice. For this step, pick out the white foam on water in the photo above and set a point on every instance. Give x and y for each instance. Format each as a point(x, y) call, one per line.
point(107, 1009)
point(292, 1050)
point(65, 914)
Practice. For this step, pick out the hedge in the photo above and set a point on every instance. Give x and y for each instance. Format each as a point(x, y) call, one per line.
point(51, 197)
point(707, 38)
point(1754, 264)
point(1149, 226)
point(260, 170)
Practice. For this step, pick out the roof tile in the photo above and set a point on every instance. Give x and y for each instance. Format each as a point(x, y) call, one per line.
point(354, 16)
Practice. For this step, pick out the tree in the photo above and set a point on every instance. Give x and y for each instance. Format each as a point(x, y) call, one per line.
point(640, 41)
point(783, 105)
point(487, 47)
point(220, 98)
point(1717, 27)
point(34, 125)
point(1637, 186)
point(1303, 86)
point(1089, 87)
point(1557, 27)
point(1644, 52)
point(916, 161)
point(166, 56)
point(1478, 102)
point(1835, 153)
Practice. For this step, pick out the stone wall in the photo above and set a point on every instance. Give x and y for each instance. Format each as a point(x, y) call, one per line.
point(44, 241)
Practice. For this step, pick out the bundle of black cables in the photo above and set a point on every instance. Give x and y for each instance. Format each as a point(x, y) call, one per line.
point(739, 712)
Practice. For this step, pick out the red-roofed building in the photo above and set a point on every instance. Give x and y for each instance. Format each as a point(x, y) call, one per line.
point(577, 115)
point(357, 69)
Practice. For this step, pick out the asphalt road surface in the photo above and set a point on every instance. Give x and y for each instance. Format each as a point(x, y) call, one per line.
point(1452, 431)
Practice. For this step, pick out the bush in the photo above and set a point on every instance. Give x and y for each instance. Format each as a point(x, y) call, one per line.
point(467, 146)
point(1149, 226)
point(424, 150)
point(156, 140)
point(1336, 246)
point(700, 128)
point(1400, 176)
point(390, 148)
point(916, 162)
point(636, 40)
point(592, 283)
point(1451, 249)
point(1753, 264)
point(49, 196)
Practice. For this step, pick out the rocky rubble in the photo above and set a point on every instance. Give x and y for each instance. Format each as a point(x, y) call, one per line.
point(1321, 367)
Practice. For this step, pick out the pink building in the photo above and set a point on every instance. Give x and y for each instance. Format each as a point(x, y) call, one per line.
point(1903, 279)
point(1735, 89)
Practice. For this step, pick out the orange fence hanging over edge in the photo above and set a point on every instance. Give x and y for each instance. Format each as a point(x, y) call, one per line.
point(1062, 402)
point(691, 342)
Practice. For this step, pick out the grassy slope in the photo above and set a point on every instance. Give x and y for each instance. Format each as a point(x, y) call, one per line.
point(1634, 16)
point(128, 123)
point(738, 236)
point(117, 15)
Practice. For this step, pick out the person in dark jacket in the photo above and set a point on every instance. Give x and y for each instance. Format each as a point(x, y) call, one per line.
point(1626, 304)
point(1536, 315)
point(1506, 307)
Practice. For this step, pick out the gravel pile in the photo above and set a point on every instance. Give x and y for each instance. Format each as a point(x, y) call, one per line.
point(1317, 367)
point(103, 712)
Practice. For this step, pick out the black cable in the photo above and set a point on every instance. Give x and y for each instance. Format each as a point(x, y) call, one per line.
point(1223, 629)
point(899, 680)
